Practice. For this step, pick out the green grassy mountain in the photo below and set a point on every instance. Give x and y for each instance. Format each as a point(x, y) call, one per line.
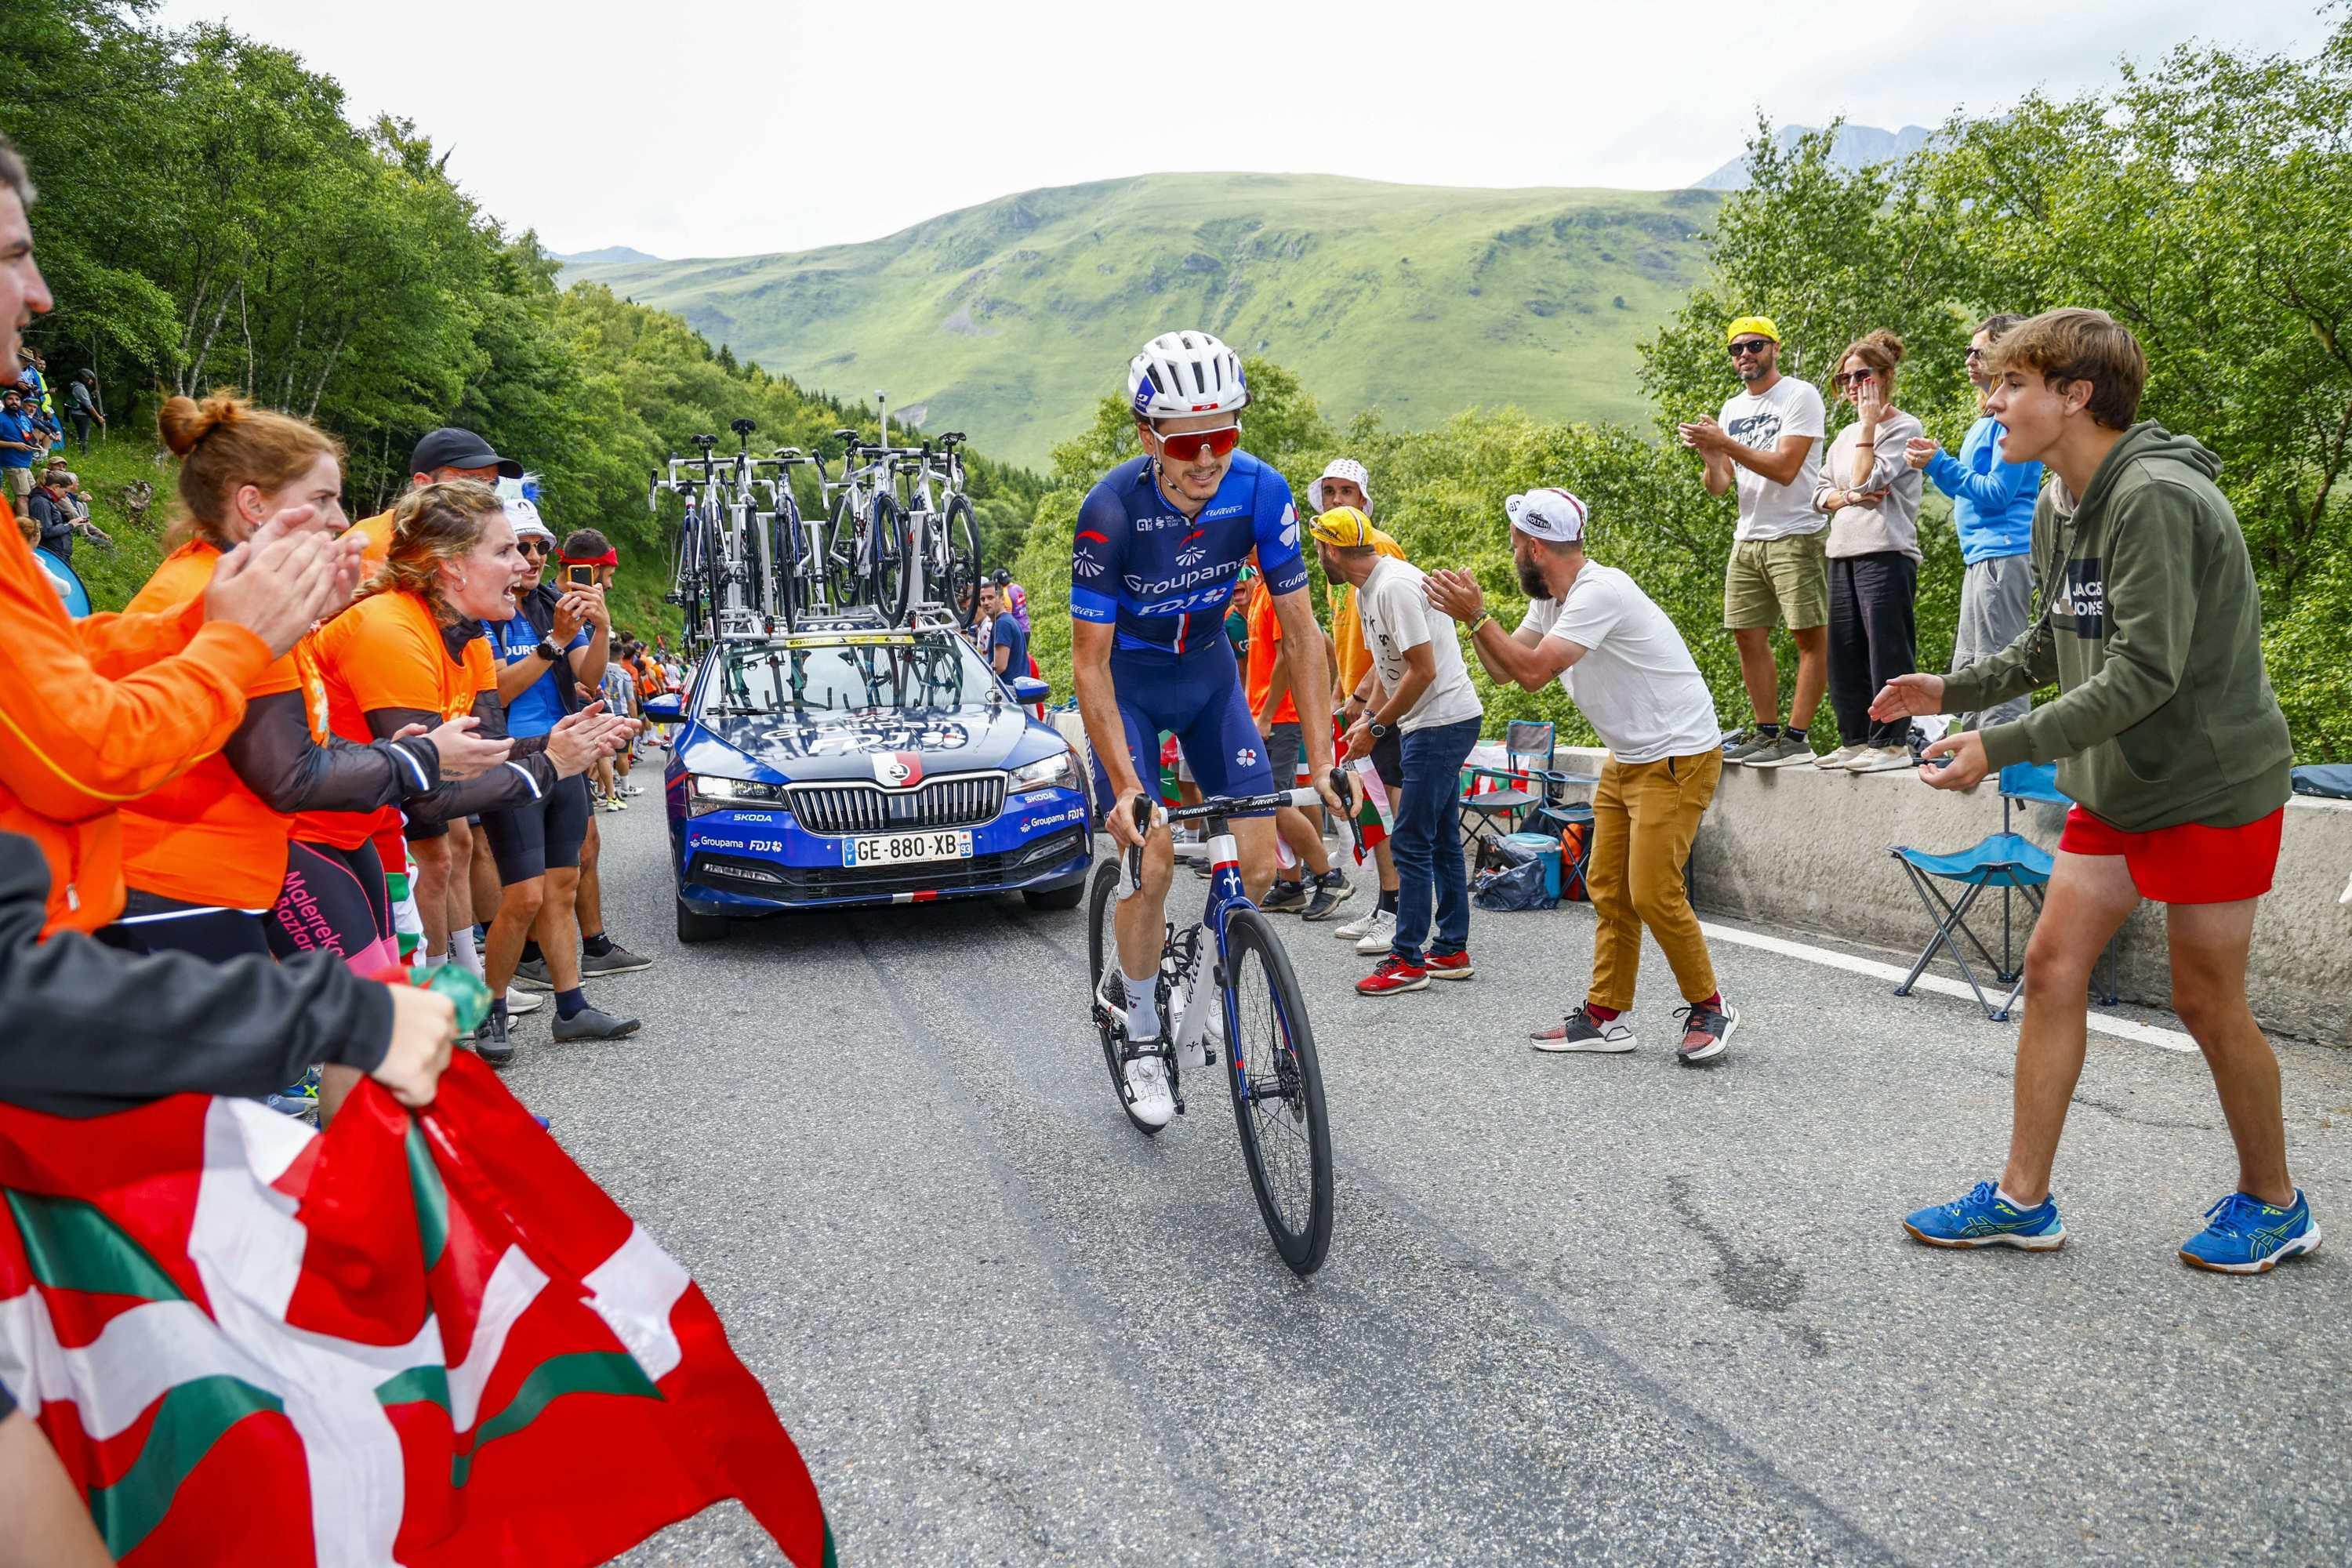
point(1010, 319)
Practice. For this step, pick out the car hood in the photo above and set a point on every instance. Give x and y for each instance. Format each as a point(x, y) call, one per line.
point(889, 746)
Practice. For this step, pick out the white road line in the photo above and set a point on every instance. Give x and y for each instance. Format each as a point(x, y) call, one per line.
point(2104, 1023)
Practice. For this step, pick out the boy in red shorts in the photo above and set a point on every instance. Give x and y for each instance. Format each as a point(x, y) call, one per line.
point(2166, 735)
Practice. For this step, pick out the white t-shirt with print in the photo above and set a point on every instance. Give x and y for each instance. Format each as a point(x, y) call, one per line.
point(1637, 684)
point(1398, 616)
point(1767, 510)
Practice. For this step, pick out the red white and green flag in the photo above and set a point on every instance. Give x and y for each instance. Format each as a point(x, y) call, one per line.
point(429, 1340)
point(1373, 817)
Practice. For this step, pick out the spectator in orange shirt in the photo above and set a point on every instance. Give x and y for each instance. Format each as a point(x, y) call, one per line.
point(208, 858)
point(100, 711)
point(410, 653)
point(1272, 673)
point(446, 856)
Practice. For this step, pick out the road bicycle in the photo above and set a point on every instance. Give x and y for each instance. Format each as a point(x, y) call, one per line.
point(1271, 1072)
point(868, 554)
point(727, 577)
point(944, 531)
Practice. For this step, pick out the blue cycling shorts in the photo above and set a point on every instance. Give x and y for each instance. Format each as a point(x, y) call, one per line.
point(1197, 696)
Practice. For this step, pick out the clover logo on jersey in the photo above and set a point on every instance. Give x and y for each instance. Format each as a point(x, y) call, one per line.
point(1289, 526)
point(1245, 757)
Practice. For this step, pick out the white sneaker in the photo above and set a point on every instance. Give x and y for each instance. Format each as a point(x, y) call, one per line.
point(1840, 758)
point(519, 1001)
point(1147, 1079)
point(1352, 930)
point(1380, 932)
point(1879, 759)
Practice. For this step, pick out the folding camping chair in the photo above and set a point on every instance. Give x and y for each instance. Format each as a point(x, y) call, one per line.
point(1529, 748)
point(2004, 860)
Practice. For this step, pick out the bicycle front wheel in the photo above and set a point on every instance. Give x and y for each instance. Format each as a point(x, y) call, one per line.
point(1278, 1090)
point(894, 574)
point(960, 582)
point(784, 561)
point(847, 572)
point(1102, 951)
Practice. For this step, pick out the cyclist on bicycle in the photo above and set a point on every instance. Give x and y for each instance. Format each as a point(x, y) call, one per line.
point(1161, 540)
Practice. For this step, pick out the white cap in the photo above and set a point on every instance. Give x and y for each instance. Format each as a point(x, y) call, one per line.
point(1341, 468)
point(1552, 514)
point(524, 515)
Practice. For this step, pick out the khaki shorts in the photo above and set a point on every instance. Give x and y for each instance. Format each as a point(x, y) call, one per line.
point(1777, 582)
point(20, 484)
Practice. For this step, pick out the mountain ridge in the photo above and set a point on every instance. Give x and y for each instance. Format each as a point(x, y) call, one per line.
point(1856, 147)
point(1010, 318)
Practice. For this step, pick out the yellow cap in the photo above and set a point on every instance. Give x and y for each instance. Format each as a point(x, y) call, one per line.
point(1342, 528)
point(1761, 325)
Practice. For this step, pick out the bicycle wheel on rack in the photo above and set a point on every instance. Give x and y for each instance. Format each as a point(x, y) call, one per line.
point(1278, 1090)
point(784, 549)
point(958, 532)
point(846, 567)
point(1102, 948)
point(713, 586)
point(893, 563)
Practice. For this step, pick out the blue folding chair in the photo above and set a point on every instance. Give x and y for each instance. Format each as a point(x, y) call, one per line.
point(2005, 860)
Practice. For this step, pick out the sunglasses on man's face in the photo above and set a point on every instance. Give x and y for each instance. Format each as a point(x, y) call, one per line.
point(1748, 346)
point(533, 546)
point(1187, 448)
point(1976, 353)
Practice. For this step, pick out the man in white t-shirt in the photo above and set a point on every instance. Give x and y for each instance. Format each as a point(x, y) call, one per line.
point(1629, 672)
point(1768, 444)
point(1428, 702)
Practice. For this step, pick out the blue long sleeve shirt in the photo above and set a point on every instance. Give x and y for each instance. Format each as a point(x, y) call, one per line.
point(1992, 500)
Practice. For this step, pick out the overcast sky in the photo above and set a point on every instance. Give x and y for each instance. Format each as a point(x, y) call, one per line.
point(721, 128)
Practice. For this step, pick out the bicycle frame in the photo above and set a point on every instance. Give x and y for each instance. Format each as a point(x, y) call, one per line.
point(1225, 895)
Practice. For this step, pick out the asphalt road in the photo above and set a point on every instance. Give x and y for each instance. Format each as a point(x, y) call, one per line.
point(1576, 1309)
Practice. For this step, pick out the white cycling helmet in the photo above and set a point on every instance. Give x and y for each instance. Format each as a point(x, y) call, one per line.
point(1179, 374)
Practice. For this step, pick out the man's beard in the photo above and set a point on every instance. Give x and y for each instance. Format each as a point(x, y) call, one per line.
point(1531, 582)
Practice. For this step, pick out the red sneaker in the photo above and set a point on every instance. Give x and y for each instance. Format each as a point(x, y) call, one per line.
point(1394, 975)
point(1450, 966)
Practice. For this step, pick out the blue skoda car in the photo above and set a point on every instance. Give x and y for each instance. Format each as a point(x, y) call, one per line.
point(846, 766)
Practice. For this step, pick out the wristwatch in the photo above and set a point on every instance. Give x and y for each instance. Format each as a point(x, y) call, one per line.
point(548, 651)
point(1379, 731)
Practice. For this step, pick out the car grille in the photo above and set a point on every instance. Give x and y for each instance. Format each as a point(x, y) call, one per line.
point(774, 879)
point(964, 801)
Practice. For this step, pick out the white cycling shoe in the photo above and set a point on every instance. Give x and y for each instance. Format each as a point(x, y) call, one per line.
point(1154, 1103)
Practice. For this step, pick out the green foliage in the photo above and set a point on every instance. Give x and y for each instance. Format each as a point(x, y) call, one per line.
point(1003, 318)
point(209, 218)
point(2206, 201)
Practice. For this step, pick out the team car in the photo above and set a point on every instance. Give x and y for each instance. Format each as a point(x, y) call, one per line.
point(844, 764)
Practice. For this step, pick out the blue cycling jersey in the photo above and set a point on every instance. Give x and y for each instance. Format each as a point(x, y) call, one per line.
point(1161, 578)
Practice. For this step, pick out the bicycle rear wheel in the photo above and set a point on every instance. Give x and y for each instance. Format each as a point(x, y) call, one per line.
point(1102, 951)
point(714, 570)
point(845, 565)
point(784, 561)
point(1277, 1089)
point(958, 586)
point(894, 578)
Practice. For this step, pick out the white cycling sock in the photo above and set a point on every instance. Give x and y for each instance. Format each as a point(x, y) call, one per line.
point(1142, 1007)
point(463, 951)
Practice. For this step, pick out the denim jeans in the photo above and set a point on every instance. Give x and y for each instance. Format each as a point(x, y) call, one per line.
point(1427, 841)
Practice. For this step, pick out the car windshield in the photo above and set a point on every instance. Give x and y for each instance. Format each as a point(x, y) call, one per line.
point(931, 669)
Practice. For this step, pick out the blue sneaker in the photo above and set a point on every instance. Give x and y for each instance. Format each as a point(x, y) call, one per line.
point(2247, 1236)
point(1984, 1218)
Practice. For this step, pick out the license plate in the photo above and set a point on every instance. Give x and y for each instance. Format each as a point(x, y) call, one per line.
point(907, 848)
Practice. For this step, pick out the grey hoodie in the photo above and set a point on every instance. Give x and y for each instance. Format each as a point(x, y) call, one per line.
point(2152, 627)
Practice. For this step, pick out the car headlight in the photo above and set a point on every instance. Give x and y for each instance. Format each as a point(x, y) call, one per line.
point(707, 792)
point(1047, 773)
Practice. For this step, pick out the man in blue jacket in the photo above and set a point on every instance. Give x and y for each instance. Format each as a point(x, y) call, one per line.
point(1992, 512)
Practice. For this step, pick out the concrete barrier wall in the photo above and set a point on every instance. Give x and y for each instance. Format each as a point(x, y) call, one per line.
point(1796, 847)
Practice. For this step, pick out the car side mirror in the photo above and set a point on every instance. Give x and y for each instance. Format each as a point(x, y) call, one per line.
point(663, 709)
point(1028, 688)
